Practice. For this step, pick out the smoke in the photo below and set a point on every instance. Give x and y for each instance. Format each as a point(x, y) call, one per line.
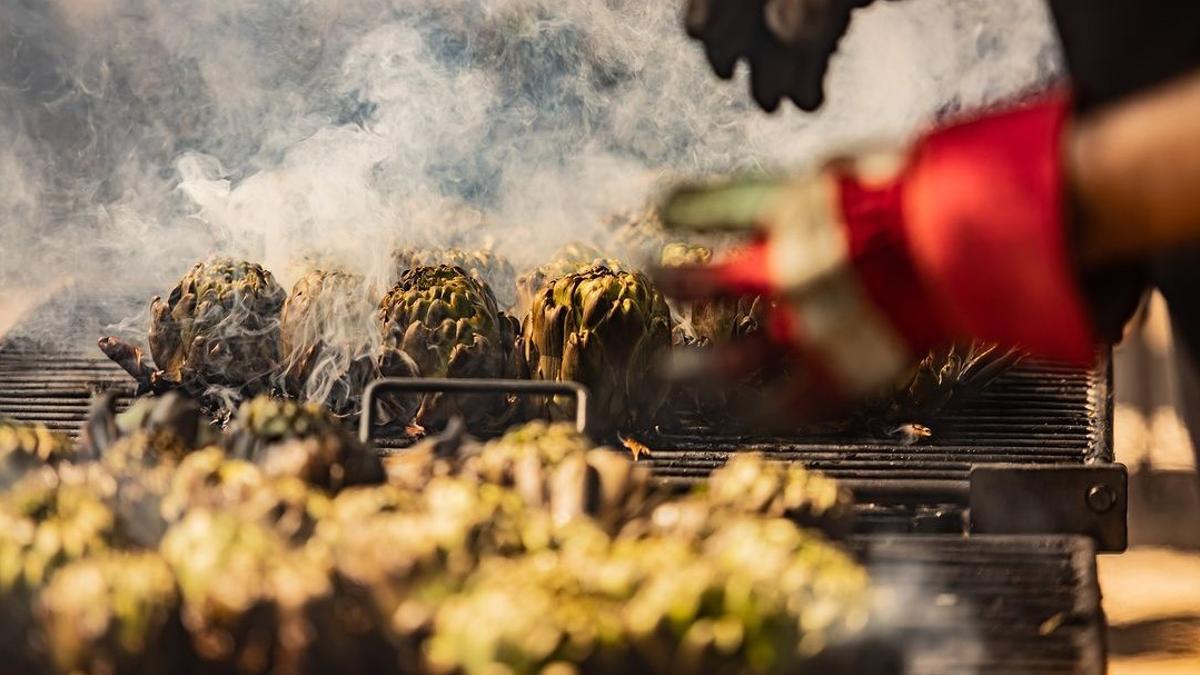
point(137, 136)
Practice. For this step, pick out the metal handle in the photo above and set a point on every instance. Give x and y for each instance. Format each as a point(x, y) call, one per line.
point(469, 386)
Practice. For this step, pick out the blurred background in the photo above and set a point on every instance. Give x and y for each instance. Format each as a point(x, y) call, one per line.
point(1152, 592)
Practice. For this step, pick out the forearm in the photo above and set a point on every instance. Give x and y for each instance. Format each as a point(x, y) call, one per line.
point(1134, 170)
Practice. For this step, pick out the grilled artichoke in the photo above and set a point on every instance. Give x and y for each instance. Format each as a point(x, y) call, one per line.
point(286, 438)
point(709, 322)
point(327, 338)
point(942, 375)
point(219, 327)
point(573, 257)
point(114, 613)
point(485, 266)
point(601, 328)
point(638, 233)
point(447, 324)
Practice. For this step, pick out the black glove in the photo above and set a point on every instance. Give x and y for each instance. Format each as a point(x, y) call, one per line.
point(787, 42)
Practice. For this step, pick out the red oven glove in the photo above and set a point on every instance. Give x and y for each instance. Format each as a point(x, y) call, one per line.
point(872, 261)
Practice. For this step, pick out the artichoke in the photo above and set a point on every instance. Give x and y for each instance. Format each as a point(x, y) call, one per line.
point(24, 447)
point(709, 322)
point(286, 438)
point(638, 233)
point(219, 327)
point(172, 423)
point(440, 322)
point(44, 525)
point(573, 257)
point(603, 329)
point(483, 265)
point(50, 518)
point(250, 601)
point(749, 484)
point(209, 480)
point(554, 467)
point(941, 376)
point(113, 613)
point(327, 336)
point(756, 595)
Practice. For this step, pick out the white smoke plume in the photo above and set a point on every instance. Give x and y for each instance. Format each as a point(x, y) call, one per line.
point(137, 136)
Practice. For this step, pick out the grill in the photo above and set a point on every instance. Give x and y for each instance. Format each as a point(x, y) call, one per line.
point(1038, 413)
point(985, 603)
point(55, 388)
point(988, 604)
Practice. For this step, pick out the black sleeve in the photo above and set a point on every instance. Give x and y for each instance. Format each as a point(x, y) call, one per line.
point(1115, 48)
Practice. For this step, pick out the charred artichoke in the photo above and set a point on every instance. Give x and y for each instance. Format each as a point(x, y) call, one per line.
point(709, 322)
point(601, 328)
point(485, 266)
point(219, 327)
point(327, 339)
point(573, 257)
point(286, 438)
point(944, 374)
point(446, 324)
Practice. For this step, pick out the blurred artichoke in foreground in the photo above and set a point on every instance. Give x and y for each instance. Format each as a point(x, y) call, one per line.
point(113, 613)
point(304, 440)
point(756, 595)
point(219, 327)
point(48, 519)
point(485, 266)
point(210, 480)
point(554, 467)
point(24, 447)
point(170, 424)
point(249, 600)
point(46, 522)
point(603, 329)
point(447, 324)
point(750, 484)
point(327, 338)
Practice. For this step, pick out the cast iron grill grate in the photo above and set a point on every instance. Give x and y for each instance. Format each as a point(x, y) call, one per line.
point(988, 604)
point(1038, 413)
point(56, 387)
